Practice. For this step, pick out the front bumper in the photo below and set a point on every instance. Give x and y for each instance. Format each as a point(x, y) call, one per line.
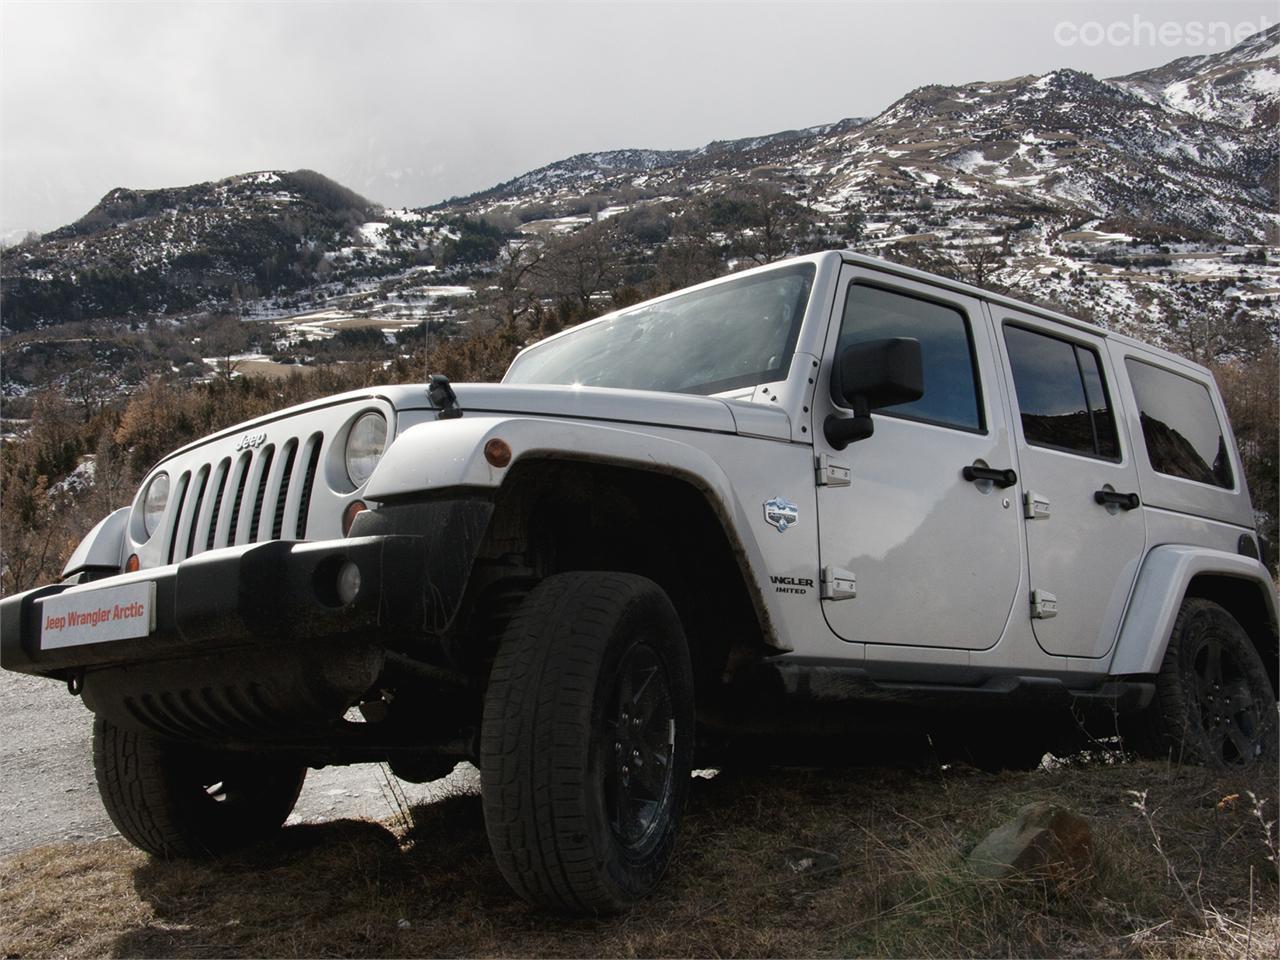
point(279, 594)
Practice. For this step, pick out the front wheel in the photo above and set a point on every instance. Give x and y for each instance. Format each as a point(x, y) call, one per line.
point(1214, 703)
point(587, 742)
point(179, 800)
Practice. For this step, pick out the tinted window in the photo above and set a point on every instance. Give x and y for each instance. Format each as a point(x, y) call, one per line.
point(950, 385)
point(735, 334)
point(1179, 425)
point(1062, 398)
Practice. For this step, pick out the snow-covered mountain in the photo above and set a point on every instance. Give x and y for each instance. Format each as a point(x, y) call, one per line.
point(154, 252)
point(1138, 201)
point(1237, 87)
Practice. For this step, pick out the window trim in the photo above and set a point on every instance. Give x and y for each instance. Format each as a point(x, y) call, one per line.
point(1076, 347)
point(1228, 439)
point(983, 428)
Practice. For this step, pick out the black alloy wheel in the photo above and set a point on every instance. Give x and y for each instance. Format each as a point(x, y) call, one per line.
point(638, 764)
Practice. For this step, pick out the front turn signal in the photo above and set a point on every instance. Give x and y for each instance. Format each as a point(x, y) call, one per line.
point(354, 509)
point(498, 452)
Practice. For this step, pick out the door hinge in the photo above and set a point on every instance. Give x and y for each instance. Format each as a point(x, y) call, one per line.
point(1035, 505)
point(1044, 605)
point(832, 474)
point(838, 584)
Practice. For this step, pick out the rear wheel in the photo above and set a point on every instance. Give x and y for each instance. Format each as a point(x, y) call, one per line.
point(586, 748)
point(178, 800)
point(1214, 702)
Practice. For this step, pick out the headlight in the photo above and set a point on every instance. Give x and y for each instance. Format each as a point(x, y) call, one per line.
point(154, 501)
point(365, 441)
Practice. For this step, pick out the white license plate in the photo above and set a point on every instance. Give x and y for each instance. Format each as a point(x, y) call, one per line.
point(76, 617)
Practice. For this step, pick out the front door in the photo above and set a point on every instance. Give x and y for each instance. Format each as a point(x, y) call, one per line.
point(1085, 533)
point(936, 556)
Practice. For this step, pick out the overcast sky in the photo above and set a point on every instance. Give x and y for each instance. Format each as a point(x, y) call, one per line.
point(413, 102)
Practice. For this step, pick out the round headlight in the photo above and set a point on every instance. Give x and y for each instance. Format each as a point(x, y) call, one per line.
point(154, 501)
point(365, 442)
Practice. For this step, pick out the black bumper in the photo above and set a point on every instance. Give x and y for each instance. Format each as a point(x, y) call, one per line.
point(280, 594)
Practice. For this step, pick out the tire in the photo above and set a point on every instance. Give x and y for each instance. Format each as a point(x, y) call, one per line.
point(1214, 703)
point(593, 674)
point(177, 801)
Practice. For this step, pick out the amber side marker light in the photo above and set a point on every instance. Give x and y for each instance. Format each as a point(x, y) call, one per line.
point(133, 564)
point(354, 509)
point(498, 452)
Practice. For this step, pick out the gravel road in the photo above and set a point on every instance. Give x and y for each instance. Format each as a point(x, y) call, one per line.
point(47, 792)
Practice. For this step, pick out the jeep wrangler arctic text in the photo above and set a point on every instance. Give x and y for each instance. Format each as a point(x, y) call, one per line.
point(818, 502)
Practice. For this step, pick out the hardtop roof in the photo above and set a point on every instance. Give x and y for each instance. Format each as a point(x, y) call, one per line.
point(968, 289)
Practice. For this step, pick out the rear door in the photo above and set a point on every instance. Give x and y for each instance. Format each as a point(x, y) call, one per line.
point(1085, 533)
point(936, 557)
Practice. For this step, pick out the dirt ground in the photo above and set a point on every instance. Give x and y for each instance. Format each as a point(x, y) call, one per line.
point(47, 791)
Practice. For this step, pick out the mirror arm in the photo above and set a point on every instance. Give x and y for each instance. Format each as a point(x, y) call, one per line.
point(842, 431)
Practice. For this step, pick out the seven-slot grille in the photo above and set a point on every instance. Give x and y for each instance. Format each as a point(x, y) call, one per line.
point(254, 495)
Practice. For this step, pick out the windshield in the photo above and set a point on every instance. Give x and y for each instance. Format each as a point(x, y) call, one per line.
point(735, 334)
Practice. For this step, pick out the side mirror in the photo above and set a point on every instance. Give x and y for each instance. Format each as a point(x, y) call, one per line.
point(868, 376)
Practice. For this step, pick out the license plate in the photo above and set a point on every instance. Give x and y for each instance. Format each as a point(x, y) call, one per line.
point(76, 617)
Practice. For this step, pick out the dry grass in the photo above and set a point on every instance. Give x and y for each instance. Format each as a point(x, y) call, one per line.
point(894, 883)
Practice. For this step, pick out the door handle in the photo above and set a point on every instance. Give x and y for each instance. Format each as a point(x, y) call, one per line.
point(1001, 478)
point(1125, 501)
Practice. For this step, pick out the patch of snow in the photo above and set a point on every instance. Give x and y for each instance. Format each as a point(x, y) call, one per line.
point(1265, 80)
point(79, 479)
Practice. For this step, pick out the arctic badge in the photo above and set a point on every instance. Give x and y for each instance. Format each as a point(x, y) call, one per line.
point(781, 513)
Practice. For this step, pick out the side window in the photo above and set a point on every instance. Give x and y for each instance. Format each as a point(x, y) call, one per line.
point(950, 381)
point(1062, 398)
point(1179, 425)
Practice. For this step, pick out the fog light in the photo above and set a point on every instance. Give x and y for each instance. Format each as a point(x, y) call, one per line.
point(497, 452)
point(348, 582)
point(354, 509)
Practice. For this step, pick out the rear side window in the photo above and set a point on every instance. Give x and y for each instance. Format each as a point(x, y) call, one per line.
point(1179, 425)
point(951, 396)
point(1061, 394)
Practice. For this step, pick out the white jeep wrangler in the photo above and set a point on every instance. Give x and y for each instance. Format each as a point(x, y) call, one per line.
point(813, 503)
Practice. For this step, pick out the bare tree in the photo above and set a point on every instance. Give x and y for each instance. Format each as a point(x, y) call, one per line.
point(516, 269)
point(581, 264)
point(224, 339)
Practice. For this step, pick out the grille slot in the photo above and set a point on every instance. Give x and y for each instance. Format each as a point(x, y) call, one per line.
point(215, 509)
point(233, 528)
point(178, 513)
point(304, 500)
point(202, 481)
point(264, 477)
point(277, 517)
point(250, 497)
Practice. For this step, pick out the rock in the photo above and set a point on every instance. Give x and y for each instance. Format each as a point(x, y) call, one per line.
point(1043, 838)
point(807, 860)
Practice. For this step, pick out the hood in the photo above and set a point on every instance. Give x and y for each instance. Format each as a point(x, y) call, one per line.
point(627, 406)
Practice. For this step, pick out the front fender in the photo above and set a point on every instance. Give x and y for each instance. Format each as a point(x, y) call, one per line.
point(1166, 573)
point(102, 547)
point(450, 453)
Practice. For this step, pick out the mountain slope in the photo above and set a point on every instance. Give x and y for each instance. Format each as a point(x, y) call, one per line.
point(1145, 202)
point(1237, 87)
point(148, 252)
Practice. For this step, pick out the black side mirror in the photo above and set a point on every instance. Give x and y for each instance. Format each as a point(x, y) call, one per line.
point(868, 376)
